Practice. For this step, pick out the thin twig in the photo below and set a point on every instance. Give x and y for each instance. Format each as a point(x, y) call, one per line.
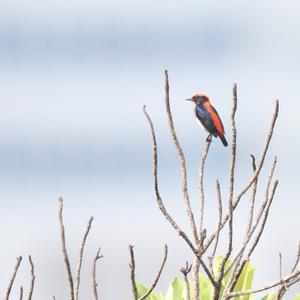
point(64, 248)
point(132, 273)
point(21, 293)
point(32, 278)
point(153, 285)
point(280, 265)
point(282, 289)
point(252, 199)
point(88, 227)
point(231, 186)
point(94, 281)
point(12, 278)
point(159, 201)
point(181, 160)
point(200, 187)
point(297, 259)
point(185, 271)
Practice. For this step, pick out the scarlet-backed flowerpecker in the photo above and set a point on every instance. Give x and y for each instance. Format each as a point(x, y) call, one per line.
point(208, 116)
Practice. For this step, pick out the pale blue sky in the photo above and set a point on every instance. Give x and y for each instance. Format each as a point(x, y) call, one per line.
point(73, 79)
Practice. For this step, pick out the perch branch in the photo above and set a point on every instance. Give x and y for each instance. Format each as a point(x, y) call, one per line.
point(21, 293)
point(94, 281)
point(12, 278)
point(64, 248)
point(88, 227)
point(201, 189)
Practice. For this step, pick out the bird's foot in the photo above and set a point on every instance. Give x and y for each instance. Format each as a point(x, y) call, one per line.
point(209, 138)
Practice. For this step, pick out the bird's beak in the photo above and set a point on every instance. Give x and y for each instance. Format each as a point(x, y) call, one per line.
point(190, 99)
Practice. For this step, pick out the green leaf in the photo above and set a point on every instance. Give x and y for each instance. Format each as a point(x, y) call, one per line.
point(205, 287)
point(245, 281)
point(297, 297)
point(142, 290)
point(176, 290)
point(216, 266)
point(270, 296)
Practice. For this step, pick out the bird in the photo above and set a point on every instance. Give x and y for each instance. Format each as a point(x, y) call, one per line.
point(208, 117)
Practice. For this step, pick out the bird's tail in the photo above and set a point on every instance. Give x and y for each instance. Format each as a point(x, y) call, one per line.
point(224, 142)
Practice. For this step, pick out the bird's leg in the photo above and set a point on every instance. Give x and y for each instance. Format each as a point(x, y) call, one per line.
point(209, 138)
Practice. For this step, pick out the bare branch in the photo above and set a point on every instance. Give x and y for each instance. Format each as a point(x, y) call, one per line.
point(201, 176)
point(155, 178)
point(255, 175)
point(181, 160)
point(196, 268)
point(132, 273)
point(153, 285)
point(236, 261)
point(286, 286)
point(239, 267)
point(88, 227)
point(285, 280)
point(12, 278)
point(264, 220)
point(185, 271)
point(231, 176)
point(94, 281)
point(64, 249)
point(261, 162)
point(218, 229)
point(32, 278)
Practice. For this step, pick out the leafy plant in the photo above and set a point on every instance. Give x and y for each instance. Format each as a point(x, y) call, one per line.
point(177, 288)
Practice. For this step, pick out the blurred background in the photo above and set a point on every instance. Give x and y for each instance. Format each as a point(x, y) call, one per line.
point(74, 76)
